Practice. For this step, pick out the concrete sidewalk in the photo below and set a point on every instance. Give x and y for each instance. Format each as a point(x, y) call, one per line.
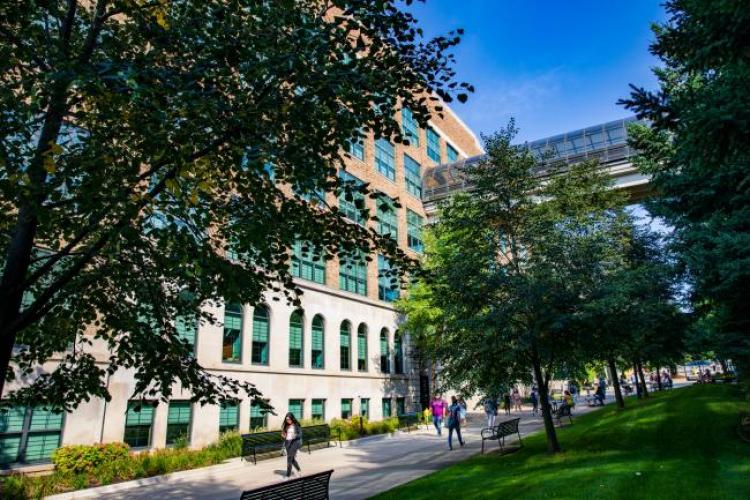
point(362, 468)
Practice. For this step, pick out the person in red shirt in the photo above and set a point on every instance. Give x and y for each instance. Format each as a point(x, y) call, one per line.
point(438, 408)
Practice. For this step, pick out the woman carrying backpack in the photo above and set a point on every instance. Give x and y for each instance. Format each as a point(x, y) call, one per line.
point(454, 422)
point(292, 434)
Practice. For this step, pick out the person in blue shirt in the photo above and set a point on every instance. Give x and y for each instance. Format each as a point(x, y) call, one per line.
point(454, 422)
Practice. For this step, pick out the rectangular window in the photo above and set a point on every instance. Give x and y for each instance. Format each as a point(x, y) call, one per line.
point(433, 146)
point(257, 417)
point(295, 339)
point(414, 231)
point(29, 435)
point(296, 407)
point(400, 406)
point(385, 158)
point(353, 274)
point(413, 173)
point(231, 349)
point(357, 148)
point(346, 408)
point(319, 410)
point(260, 335)
point(350, 208)
point(387, 409)
point(361, 351)
point(451, 153)
point(229, 417)
point(138, 422)
point(345, 336)
point(178, 421)
point(308, 263)
point(387, 218)
point(364, 408)
point(410, 127)
point(317, 341)
point(388, 289)
point(187, 327)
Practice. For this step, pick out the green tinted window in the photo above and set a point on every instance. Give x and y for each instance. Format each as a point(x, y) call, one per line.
point(318, 342)
point(295, 339)
point(232, 342)
point(433, 145)
point(413, 174)
point(295, 408)
point(178, 421)
point(138, 422)
point(307, 263)
point(385, 160)
point(410, 127)
point(353, 274)
point(387, 218)
point(229, 417)
point(346, 408)
point(345, 334)
point(319, 409)
point(261, 334)
point(362, 348)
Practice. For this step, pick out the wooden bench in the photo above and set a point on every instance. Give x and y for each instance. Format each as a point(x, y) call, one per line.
point(312, 487)
point(500, 431)
point(563, 411)
point(408, 421)
point(257, 442)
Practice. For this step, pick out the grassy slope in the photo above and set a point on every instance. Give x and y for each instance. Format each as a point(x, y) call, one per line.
point(680, 444)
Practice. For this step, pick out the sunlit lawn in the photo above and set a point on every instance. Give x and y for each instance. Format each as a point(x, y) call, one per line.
point(678, 444)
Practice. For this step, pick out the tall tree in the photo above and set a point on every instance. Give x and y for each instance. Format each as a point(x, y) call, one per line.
point(697, 150)
point(156, 156)
point(508, 267)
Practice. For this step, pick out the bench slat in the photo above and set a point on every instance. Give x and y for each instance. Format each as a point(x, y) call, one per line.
point(312, 487)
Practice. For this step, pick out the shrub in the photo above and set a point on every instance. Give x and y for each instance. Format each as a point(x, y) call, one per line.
point(86, 458)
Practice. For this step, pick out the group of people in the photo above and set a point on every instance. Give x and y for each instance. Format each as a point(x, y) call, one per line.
point(454, 415)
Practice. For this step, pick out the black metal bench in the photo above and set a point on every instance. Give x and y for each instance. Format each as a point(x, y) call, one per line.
point(500, 431)
point(563, 411)
point(260, 442)
point(316, 434)
point(408, 421)
point(312, 487)
point(267, 441)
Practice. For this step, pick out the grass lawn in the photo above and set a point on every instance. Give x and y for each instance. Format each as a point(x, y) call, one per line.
point(678, 444)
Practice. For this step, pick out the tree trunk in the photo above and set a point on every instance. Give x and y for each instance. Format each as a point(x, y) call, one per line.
point(642, 379)
point(658, 377)
point(616, 382)
point(637, 382)
point(553, 446)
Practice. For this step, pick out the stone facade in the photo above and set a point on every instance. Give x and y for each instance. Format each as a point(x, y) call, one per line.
point(98, 421)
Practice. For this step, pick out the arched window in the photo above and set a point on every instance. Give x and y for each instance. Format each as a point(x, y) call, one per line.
point(398, 345)
point(261, 334)
point(296, 330)
point(362, 347)
point(345, 339)
point(317, 342)
point(231, 345)
point(385, 354)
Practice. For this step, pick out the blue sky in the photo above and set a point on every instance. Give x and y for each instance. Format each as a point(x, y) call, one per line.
point(554, 65)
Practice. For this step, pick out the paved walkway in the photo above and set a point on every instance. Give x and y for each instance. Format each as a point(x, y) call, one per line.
point(361, 469)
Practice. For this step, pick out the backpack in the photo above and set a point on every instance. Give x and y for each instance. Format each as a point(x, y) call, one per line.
point(453, 415)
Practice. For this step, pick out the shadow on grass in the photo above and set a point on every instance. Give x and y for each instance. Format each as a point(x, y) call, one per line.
point(678, 444)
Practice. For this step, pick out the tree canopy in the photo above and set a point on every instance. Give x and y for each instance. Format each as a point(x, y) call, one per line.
point(158, 156)
point(510, 262)
point(697, 150)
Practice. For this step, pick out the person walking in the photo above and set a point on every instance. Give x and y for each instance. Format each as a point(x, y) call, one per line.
point(292, 434)
point(534, 402)
point(506, 403)
point(438, 408)
point(517, 399)
point(454, 422)
point(490, 409)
